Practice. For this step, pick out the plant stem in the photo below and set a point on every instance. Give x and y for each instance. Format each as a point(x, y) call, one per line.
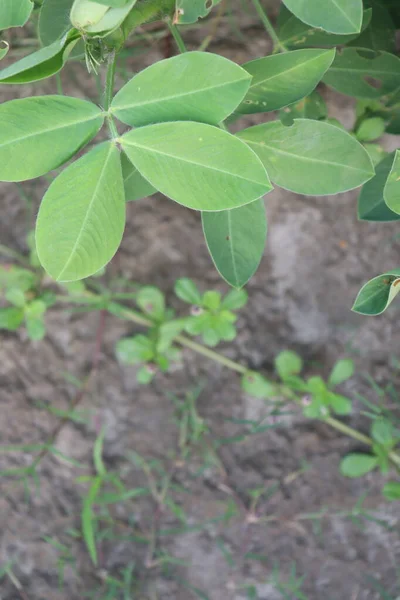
point(110, 77)
point(177, 36)
point(136, 317)
point(349, 431)
point(109, 92)
point(132, 315)
point(268, 26)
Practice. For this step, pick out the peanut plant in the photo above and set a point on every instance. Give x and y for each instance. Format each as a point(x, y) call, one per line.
point(178, 112)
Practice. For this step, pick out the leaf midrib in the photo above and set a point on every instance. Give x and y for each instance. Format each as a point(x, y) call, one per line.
point(304, 158)
point(44, 132)
point(89, 208)
point(180, 158)
point(181, 95)
point(345, 15)
point(298, 66)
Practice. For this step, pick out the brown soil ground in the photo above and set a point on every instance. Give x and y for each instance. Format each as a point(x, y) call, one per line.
point(316, 259)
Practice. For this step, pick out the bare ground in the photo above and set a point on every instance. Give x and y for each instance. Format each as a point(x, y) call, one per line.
point(317, 257)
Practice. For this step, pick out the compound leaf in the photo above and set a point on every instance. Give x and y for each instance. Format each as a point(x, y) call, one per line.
point(310, 157)
point(82, 216)
point(272, 84)
point(41, 133)
point(335, 16)
point(236, 240)
point(197, 165)
point(195, 86)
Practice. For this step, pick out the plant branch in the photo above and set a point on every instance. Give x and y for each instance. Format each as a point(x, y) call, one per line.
point(177, 36)
point(109, 92)
point(137, 318)
point(268, 26)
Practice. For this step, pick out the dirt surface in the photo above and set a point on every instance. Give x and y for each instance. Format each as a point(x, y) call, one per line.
point(316, 259)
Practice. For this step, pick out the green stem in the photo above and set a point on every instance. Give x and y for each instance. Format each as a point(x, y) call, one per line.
point(109, 92)
point(268, 26)
point(136, 317)
point(110, 78)
point(177, 36)
point(349, 431)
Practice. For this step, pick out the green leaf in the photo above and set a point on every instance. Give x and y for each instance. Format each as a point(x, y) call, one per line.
point(340, 404)
point(187, 291)
point(293, 33)
point(136, 186)
point(195, 86)
point(364, 73)
point(36, 328)
point(256, 385)
point(144, 375)
point(16, 297)
point(380, 33)
point(151, 301)
point(135, 350)
point(391, 192)
point(197, 165)
point(288, 363)
point(54, 20)
point(391, 490)
point(211, 300)
point(167, 332)
point(316, 410)
point(111, 20)
point(376, 153)
point(41, 64)
point(189, 11)
point(82, 216)
point(335, 16)
point(98, 454)
point(236, 240)
point(370, 129)
point(357, 464)
point(11, 318)
point(234, 300)
point(84, 13)
point(15, 277)
point(14, 13)
point(41, 133)
point(310, 157)
point(4, 48)
point(88, 518)
point(272, 84)
point(342, 371)
point(112, 3)
point(382, 431)
point(376, 295)
point(312, 107)
point(371, 203)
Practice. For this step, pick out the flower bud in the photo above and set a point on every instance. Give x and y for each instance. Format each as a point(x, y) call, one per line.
point(85, 13)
